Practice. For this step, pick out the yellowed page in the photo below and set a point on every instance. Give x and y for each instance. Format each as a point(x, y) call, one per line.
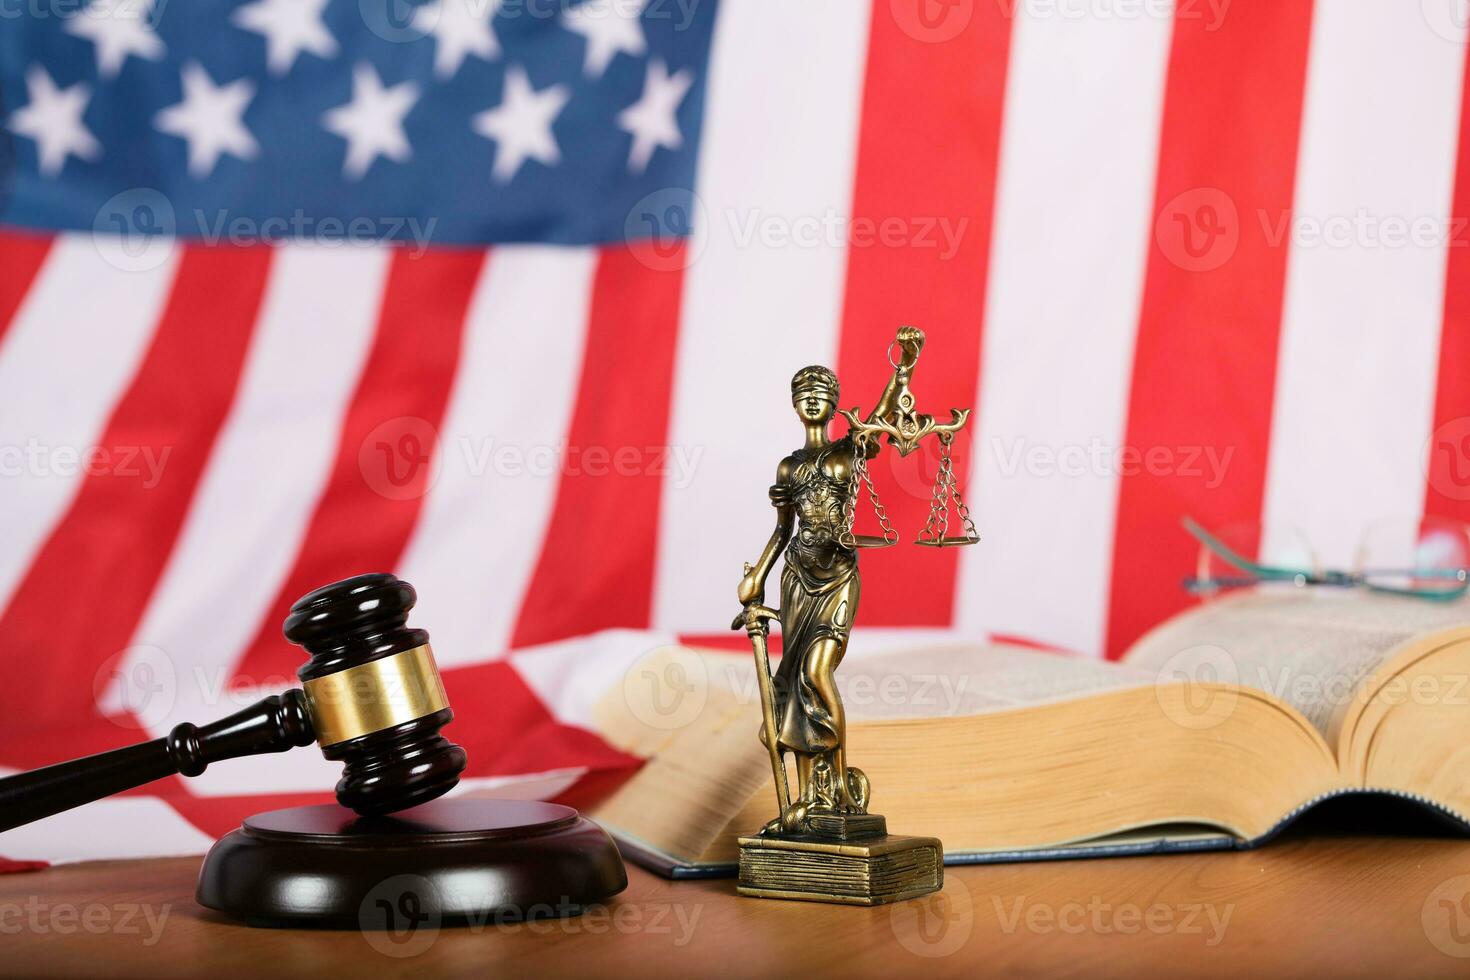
point(927, 682)
point(940, 682)
point(1311, 648)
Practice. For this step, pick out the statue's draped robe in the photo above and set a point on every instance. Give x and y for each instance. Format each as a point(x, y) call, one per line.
point(819, 594)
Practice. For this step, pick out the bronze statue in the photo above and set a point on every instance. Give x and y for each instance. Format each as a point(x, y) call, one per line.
point(815, 496)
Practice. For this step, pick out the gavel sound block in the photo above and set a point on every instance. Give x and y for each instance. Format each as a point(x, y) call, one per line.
point(371, 697)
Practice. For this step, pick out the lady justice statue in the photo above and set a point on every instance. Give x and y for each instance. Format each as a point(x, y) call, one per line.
point(804, 852)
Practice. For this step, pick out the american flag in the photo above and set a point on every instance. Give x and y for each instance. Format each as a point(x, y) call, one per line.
point(504, 296)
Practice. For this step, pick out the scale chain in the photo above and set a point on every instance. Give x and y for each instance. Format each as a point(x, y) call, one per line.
point(946, 491)
point(962, 509)
point(862, 477)
point(889, 534)
point(849, 506)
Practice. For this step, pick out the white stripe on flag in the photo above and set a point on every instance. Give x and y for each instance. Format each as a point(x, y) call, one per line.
point(130, 827)
point(1079, 152)
point(76, 342)
point(501, 448)
point(571, 676)
point(778, 155)
point(1364, 306)
point(528, 786)
point(256, 496)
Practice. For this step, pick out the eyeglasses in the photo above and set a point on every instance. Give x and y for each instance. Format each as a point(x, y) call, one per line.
point(1426, 559)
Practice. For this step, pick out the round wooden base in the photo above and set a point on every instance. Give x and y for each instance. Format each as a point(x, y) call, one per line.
point(446, 862)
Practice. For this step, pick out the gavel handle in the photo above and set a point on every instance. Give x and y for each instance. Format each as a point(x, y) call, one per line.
point(275, 724)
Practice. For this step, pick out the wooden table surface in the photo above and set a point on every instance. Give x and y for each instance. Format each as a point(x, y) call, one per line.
point(1343, 906)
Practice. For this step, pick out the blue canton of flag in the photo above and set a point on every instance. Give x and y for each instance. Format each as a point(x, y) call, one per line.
point(451, 121)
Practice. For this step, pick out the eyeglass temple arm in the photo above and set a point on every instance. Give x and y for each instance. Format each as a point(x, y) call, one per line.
point(1239, 561)
point(1330, 578)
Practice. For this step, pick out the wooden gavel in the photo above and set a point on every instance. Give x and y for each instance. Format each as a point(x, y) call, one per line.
point(371, 697)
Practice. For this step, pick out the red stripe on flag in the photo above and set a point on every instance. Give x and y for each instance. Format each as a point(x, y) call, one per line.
point(1449, 450)
point(8, 866)
point(597, 558)
point(83, 596)
point(506, 730)
point(54, 736)
point(1205, 364)
point(1011, 640)
point(21, 256)
point(384, 464)
point(218, 815)
point(593, 788)
point(918, 249)
point(736, 641)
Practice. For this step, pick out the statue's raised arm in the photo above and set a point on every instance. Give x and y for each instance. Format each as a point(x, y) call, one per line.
point(895, 415)
point(909, 342)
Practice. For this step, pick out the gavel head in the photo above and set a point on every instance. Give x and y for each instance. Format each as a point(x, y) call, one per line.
point(373, 694)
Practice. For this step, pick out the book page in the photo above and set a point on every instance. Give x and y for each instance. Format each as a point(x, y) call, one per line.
point(1311, 648)
point(926, 682)
point(968, 680)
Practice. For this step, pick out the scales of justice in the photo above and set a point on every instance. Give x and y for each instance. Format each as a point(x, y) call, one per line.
point(824, 845)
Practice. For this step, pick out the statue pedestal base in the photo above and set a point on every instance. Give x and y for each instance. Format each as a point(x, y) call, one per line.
point(874, 870)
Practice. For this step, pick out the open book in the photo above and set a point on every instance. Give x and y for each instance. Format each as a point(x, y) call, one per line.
point(1215, 730)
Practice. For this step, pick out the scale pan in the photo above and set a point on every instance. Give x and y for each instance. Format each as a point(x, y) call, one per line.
point(871, 541)
point(949, 541)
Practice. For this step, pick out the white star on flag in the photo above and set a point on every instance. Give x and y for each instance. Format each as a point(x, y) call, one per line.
point(651, 119)
point(209, 119)
point(610, 26)
point(53, 118)
point(117, 28)
point(372, 123)
point(289, 27)
point(459, 28)
point(521, 124)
